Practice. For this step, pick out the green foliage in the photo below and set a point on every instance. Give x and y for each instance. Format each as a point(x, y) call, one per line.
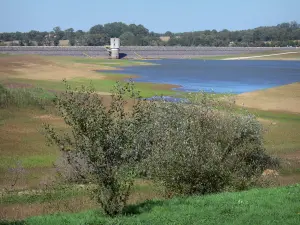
point(115, 29)
point(285, 34)
point(70, 35)
point(127, 39)
point(105, 138)
point(197, 148)
point(58, 35)
point(205, 147)
point(259, 206)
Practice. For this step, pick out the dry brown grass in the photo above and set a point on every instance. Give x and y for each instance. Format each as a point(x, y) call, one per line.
point(74, 204)
point(291, 155)
point(21, 139)
point(46, 68)
point(22, 211)
point(284, 98)
point(64, 43)
point(165, 38)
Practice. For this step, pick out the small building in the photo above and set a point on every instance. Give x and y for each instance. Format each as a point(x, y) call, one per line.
point(114, 48)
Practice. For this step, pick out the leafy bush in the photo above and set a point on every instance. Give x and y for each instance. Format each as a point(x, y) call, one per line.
point(103, 140)
point(197, 148)
point(205, 147)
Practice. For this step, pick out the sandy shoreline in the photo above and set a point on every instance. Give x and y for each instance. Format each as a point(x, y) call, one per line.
point(260, 56)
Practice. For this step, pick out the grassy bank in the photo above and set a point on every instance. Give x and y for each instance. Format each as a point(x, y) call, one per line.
point(101, 85)
point(47, 72)
point(257, 206)
point(97, 61)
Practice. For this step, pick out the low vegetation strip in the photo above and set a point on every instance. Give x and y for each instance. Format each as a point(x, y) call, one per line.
point(257, 206)
point(260, 56)
point(47, 72)
point(40, 196)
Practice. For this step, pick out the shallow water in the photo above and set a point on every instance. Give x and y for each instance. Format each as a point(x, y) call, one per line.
point(219, 76)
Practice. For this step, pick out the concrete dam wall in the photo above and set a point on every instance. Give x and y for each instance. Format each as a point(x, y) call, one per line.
point(137, 51)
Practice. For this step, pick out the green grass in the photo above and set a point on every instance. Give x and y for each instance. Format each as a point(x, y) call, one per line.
point(105, 85)
point(278, 116)
point(257, 206)
point(282, 137)
point(281, 132)
point(99, 61)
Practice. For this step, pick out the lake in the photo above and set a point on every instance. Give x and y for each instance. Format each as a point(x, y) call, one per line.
point(228, 76)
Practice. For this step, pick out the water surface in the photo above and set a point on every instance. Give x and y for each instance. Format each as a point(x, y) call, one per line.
point(236, 76)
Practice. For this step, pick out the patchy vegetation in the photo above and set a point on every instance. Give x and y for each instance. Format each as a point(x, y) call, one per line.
point(47, 73)
point(23, 97)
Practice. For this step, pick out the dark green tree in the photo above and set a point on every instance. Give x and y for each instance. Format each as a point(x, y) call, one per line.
point(97, 29)
point(128, 39)
point(58, 35)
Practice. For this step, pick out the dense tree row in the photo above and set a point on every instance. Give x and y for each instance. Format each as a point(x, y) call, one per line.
point(284, 34)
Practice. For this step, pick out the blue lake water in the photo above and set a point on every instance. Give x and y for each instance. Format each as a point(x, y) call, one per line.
point(220, 76)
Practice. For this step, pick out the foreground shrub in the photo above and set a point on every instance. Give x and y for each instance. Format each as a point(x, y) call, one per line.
point(201, 147)
point(102, 146)
point(205, 147)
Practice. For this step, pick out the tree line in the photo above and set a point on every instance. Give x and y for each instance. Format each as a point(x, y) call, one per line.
point(284, 34)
